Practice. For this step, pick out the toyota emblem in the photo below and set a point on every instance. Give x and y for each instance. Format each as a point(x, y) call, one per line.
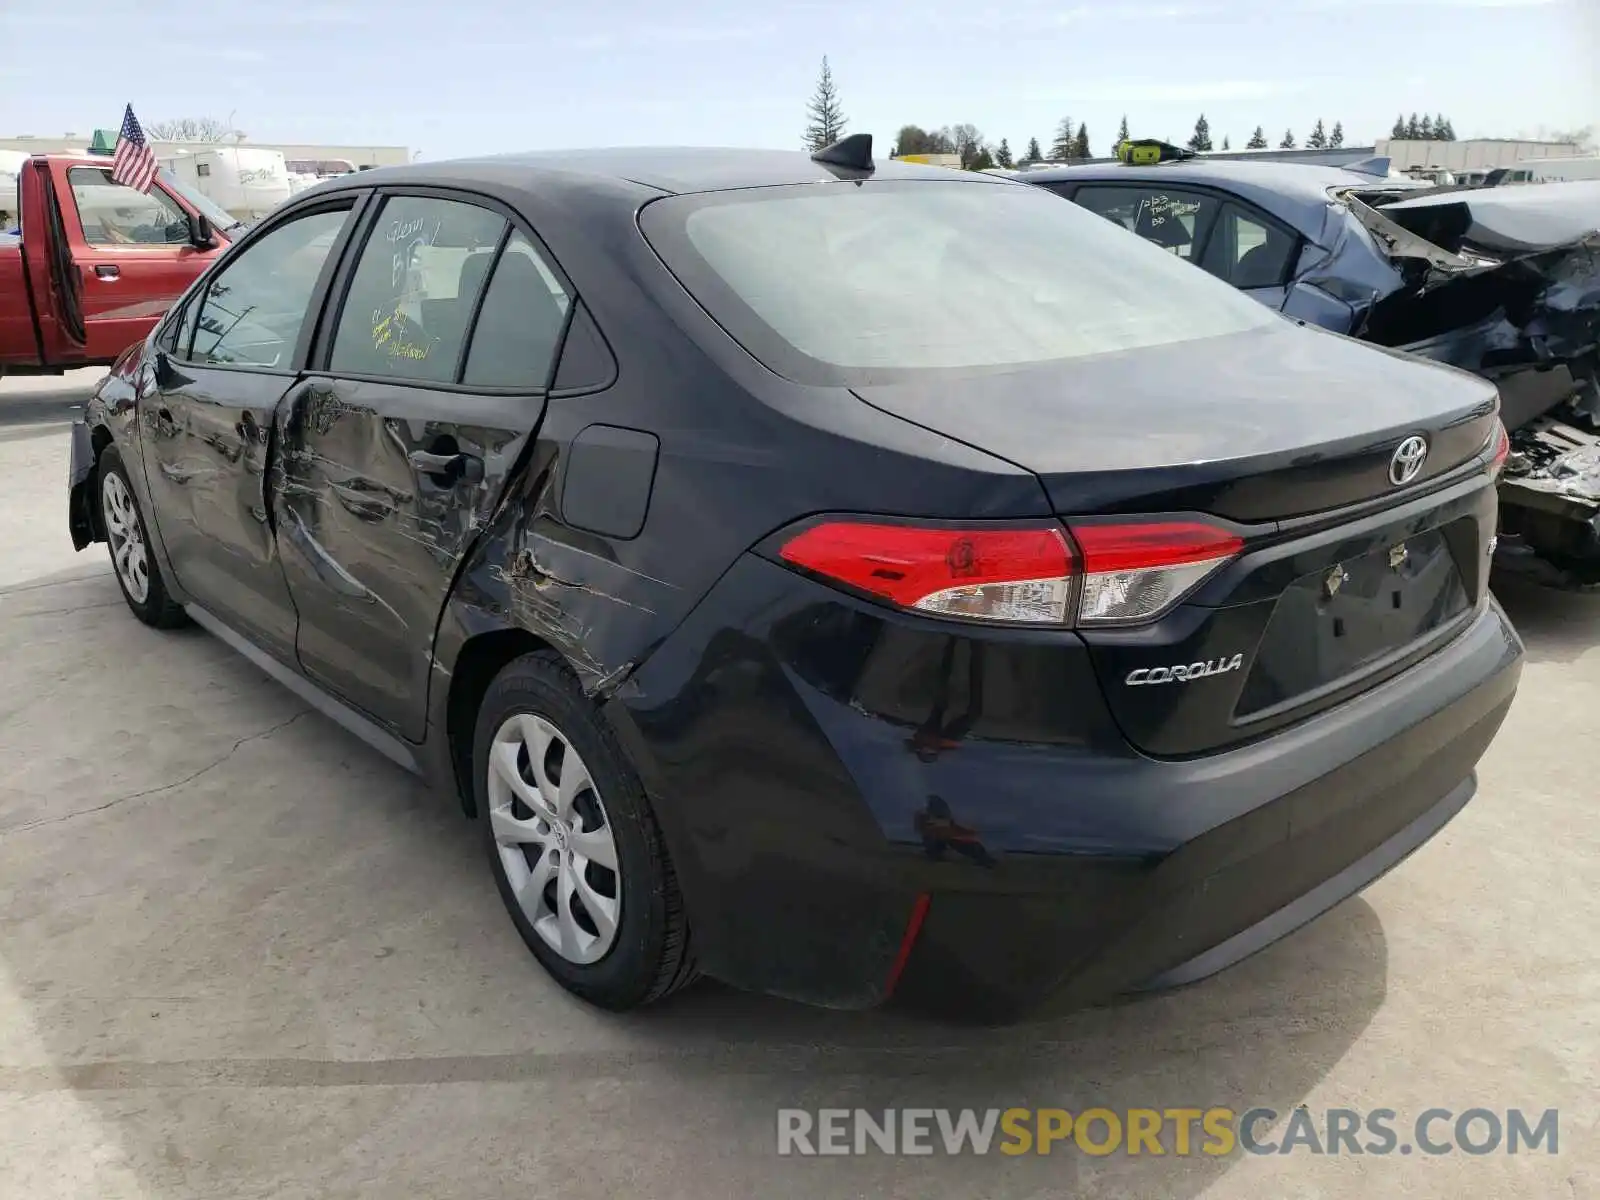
point(1406, 464)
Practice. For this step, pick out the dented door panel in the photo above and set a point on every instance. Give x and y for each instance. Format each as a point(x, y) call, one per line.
point(373, 524)
point(207, 437)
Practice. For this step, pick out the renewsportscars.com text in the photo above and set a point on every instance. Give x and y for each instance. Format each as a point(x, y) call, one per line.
point(1214, 1132)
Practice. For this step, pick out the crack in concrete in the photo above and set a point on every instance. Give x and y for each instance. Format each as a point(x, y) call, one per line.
point(153, 791)
point(61, 612)
point(87, 577)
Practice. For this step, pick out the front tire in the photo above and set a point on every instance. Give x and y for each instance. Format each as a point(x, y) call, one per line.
point(128, 538)
point(573, 844)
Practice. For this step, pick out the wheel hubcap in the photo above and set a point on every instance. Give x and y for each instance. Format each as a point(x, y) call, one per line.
point(554, 839)
point(126, 536)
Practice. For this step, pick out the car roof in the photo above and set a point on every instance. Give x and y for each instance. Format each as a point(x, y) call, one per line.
point(1269, 185)
point(664, 169)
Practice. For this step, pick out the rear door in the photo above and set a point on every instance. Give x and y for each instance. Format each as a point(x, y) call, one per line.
point(430, 380)
point(133, 254)
point(223, 364)
point(1253, 252)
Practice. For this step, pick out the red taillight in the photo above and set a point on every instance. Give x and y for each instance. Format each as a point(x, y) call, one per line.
point(1126, 573)
point(1015, 575)
point(1502, 448)
point(1135, 572)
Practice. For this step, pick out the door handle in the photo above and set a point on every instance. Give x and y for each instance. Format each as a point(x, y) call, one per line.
point(107, 271)
point(448, 469)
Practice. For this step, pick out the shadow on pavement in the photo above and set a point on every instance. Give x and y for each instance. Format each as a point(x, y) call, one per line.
point(262, 961)
point(1556, 626)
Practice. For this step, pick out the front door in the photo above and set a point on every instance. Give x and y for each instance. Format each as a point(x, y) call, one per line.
point(405, 439)
point(227, 361)
point(134, 257)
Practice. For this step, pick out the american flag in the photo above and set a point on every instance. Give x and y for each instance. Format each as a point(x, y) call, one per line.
point(135, 163)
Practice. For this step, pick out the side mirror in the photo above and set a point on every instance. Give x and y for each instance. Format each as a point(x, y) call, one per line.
point(200, 232)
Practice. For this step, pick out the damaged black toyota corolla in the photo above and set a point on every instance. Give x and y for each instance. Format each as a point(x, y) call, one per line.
point(841, 581)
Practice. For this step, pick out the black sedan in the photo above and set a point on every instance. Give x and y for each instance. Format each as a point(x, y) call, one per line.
point(846, 580)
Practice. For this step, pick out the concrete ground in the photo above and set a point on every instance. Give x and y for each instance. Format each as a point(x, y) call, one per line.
point(241, 955)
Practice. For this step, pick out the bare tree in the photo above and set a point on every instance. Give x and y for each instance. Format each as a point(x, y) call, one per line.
point(189, 129)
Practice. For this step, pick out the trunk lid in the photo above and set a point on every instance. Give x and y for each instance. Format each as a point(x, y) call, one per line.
point(1259, 426)
point(1345, 578)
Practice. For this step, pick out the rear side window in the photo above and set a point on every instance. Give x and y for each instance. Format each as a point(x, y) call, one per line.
point(1248, 251)
point(414, 288)
point(1173, 219)
point(253, 308)
point(847, 283)
point(520, 322)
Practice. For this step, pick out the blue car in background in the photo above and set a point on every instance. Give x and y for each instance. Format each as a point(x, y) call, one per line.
point(1502, 282)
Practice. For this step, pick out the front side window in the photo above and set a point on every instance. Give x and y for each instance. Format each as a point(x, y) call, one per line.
point(114, 215)
point(179, 332)
point(1173, 219)
point(219, 217)
point(414, 288)
point(253, 309)
point(847, 283)
point(1247, 251)
point(520, 323)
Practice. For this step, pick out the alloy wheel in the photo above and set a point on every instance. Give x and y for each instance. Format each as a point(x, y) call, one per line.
point(126, 535)
point(554, 838)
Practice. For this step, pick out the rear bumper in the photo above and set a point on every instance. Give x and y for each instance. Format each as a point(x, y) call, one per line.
point(805, 824)
point(81, 522)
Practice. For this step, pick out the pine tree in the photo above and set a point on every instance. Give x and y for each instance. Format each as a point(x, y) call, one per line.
point(1413, 129)
point(1002, 156)
point(1226, 144)
point(1288, 140)
point(1201, 140)
point(1066, 141)
point(1399, 130)
point(1034, 153)
point(827, 122)
point(1337, 140)
point(1258, 140)
point(1122, 130)
point(1445, 129)
point(1425, 131)
point(1319, 137)
point(1080, 147)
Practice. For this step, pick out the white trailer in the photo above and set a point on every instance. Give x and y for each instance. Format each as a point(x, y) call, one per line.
point(1553, 170)
point(247, 181)
point(10, 167)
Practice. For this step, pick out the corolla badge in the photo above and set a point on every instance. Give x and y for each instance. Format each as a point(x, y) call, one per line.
point(1183, 673)
point(1406, 462)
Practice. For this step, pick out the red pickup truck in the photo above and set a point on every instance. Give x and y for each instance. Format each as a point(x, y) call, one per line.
point(91, 265)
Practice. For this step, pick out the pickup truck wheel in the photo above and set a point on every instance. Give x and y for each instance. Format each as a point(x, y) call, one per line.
point(574, 846)
point(131, 559)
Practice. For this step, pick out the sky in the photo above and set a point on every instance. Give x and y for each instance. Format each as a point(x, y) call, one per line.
point(480, 76)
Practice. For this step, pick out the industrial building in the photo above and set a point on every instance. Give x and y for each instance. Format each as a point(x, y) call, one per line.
point(358, 157)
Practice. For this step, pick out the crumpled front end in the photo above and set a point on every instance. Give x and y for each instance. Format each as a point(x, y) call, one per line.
point(1487, 290)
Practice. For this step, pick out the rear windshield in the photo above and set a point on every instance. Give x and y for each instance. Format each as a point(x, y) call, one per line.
point(846, 283)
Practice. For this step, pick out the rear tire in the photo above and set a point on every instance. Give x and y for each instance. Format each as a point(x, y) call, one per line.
point(573, 844)
point(128, 538)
